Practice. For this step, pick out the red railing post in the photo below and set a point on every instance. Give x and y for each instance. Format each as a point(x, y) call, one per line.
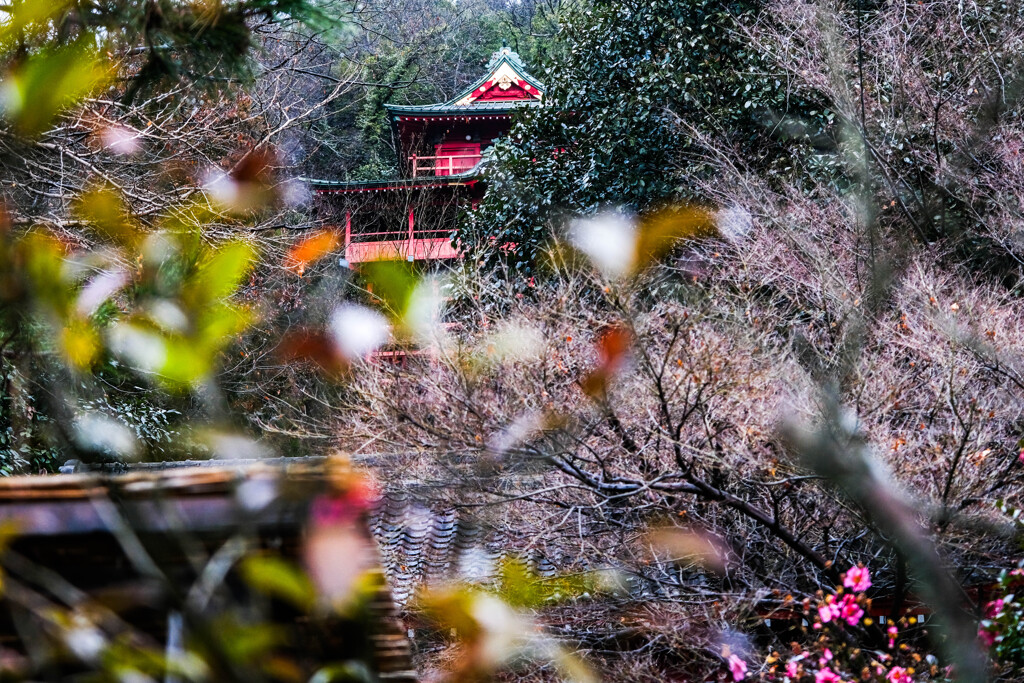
point(412, 224)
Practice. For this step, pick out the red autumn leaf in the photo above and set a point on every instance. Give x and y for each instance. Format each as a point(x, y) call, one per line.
point(612, 348)
point(315, 347)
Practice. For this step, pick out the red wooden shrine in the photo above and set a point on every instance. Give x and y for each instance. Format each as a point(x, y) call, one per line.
point(442, 149)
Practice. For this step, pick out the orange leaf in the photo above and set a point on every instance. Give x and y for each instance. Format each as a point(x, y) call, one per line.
point(311, 249)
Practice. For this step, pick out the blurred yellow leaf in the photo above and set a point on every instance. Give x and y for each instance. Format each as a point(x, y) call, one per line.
point(660, 231)
point(80, 343)
point(393, 282)
point(220, 324)
point(30, 18)
point(183, 363)
point(43, 257)
point(244, 641)
point(107, 214)
point(220, 275)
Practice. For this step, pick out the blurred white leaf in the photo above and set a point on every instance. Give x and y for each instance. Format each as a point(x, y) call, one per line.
point(295, 193)
point(84, 640)
point(99, 289)
point(608, 239)
point(228, 446)
point(168, 315)
point(734, 223)
point(142, 349)
point(223, 189)
point(423, 316)
point(99, 433)
point(256, 494)
point(514, 341)
point(358, 331)
point(121, 140)
point(506, 632)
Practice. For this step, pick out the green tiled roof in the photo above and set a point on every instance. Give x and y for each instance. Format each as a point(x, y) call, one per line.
point(504, 55)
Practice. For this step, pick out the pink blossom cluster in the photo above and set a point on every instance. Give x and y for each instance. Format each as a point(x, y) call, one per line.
point(987, 635)
point(846, 608)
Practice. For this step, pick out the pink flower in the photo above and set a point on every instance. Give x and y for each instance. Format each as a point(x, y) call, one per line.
point(850, 611)
point(892, 631)
point(738, 668)
point(898, 674)
point(1020, 456)
point(857, 579)
point(994, 608)
point(791, 670)
point(826, 657)
point(987, 638)
point(827, 675)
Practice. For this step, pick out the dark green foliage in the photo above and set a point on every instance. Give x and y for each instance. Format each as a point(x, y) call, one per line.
point(166, 42)
point(624, 77)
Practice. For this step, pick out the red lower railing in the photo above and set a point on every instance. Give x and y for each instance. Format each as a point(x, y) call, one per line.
point(411, 244)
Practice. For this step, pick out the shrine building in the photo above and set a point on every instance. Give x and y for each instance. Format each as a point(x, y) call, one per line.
point(440, 153)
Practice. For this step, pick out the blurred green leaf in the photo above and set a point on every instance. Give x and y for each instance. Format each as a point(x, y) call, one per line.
point(43, 257)
point(393, 282)
point(346, 672)
point(220, 275)
point(243, 642)
point(221, 323)
point(35, 92)
point(30, 18)
point(520, 587)
point(279, 578)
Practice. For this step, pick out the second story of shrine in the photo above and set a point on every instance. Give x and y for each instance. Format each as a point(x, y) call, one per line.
point(450, 138)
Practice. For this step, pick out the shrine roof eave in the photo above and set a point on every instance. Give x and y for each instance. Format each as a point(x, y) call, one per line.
point(326, 186)
point(471, 110)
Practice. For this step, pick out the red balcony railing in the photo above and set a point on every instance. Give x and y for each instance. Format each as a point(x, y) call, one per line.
point(447, 164)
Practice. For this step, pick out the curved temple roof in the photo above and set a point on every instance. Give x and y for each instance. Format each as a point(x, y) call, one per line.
point(506, 86)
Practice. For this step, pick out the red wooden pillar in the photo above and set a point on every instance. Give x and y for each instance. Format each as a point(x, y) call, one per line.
point(348, 231)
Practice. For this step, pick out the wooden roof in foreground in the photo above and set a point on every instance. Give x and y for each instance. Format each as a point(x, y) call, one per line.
point(61, 521)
